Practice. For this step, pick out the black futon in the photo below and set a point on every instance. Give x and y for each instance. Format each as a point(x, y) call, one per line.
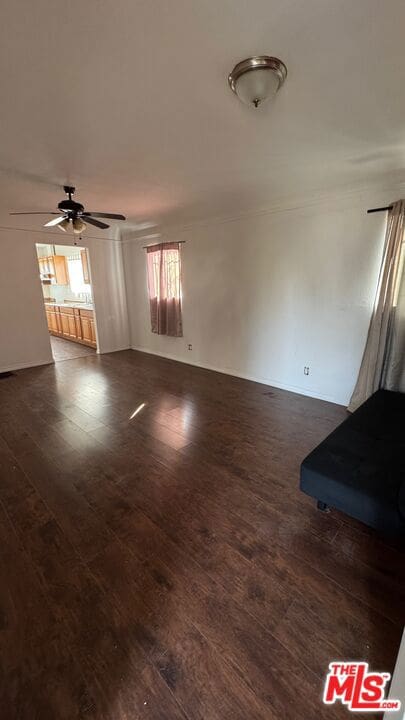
point(360, 467)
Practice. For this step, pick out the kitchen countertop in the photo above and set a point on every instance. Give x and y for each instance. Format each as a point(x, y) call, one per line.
point(79, 305)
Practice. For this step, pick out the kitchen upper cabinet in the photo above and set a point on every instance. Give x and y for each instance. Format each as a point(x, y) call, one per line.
point(60, 270)
point(54, 269)
point(44, 268)
point(85, 266)
point(50, 268)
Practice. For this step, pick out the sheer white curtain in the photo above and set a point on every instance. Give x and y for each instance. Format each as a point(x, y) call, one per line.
point(394, 366)
point(383, 351)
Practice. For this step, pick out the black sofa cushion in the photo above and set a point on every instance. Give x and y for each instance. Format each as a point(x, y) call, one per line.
point(360, 467)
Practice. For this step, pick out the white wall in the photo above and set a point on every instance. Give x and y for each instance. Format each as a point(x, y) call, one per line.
point(266, 295)
point(24, 339)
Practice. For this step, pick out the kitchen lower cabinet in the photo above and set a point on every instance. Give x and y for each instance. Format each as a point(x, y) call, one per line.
point(87, 326)
point(68, 323)
point(53, 321)
point(72, 323)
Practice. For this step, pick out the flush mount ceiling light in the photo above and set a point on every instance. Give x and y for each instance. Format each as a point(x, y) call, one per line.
point(257, 79)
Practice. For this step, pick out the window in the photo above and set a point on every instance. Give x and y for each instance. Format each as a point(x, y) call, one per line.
point(164, 284)
point(76, 277)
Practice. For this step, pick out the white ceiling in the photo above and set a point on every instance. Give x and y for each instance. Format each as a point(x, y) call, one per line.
point(128, 100)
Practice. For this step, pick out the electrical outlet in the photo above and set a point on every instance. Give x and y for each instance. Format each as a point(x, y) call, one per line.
point(190, 347)
point(306, 370)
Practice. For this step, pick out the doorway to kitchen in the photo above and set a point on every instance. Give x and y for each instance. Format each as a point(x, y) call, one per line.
point(64, 271)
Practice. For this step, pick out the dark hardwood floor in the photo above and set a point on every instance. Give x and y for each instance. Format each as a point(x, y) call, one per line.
point(67, 349)
point(167, 566)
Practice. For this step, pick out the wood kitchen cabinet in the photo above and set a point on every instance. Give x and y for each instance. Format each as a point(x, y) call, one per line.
point(43, 266)
point(68, 323)
point(72, 323)
point(41, 263)
point(53, 320)
point(60, 270)
point(85, 266)
point(88, 327)
point(54, 268)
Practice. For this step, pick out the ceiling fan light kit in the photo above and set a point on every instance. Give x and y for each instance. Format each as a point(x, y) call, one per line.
point(64, 225)
point(256, 80)
point(73, 213)
point(78, 226)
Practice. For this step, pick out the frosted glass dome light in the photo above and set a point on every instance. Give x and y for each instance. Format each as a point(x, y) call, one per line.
point(78, 226)
point(64, 225)
point(257, 79)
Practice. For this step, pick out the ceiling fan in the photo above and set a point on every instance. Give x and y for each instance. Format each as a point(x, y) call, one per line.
point(71, 212)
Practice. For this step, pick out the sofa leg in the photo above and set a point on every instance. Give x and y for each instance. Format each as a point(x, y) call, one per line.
point(322, 506)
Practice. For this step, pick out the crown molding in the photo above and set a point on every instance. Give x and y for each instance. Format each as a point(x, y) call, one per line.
point(347, 197)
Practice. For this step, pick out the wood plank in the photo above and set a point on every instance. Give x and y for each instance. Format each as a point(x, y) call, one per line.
point(39, 678)
point(170, 559)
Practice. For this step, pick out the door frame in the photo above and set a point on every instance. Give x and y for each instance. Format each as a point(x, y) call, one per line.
point(78, 248)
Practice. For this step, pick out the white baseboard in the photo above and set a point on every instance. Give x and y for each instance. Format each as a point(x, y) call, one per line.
point(104, 351)
point(22, 366)
point(234, 373)
point(244, 376)
point(38, 363)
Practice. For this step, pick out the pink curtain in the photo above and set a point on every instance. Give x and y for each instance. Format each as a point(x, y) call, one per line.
point(164, 283)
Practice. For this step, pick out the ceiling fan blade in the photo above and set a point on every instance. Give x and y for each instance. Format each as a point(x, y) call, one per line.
point(55, 221)
point(34, 213)
point(96, 223)
point(111, 216)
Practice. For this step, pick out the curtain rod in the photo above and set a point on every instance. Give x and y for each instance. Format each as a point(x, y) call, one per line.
point(180, 242)
point(382, 209)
